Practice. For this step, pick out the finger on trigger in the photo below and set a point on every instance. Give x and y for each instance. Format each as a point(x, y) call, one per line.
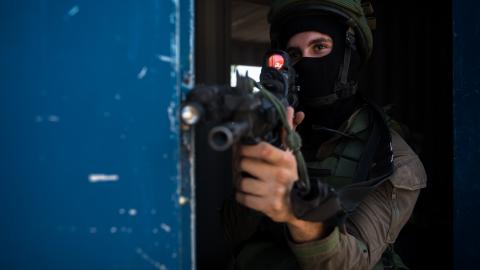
point(299, 116)
point(290, 116)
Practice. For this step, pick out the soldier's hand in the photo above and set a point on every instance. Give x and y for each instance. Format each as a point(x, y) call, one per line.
point(273, 172)
point(294, 118)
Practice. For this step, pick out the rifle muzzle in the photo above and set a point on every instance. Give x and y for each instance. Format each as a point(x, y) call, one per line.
point(222, 137)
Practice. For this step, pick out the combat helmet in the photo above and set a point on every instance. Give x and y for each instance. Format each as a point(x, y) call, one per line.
point(349, 12)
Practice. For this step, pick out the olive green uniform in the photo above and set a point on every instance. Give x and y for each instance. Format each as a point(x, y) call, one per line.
point(375, 224)
point(259, 243)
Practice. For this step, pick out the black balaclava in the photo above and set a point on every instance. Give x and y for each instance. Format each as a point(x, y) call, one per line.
point(317, 77)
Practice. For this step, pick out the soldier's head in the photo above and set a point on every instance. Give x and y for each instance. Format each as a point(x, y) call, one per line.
point(328, 41)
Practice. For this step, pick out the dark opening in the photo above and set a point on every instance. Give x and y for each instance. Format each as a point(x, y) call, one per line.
point(411, 68)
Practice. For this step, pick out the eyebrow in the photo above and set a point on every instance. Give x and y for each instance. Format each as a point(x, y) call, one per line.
point(317, 40)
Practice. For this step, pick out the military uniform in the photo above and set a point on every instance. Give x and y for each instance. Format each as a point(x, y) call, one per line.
point(376, 222)
point(258, 242)
point(363, 170)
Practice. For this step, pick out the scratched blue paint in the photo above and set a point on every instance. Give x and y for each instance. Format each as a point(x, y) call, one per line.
point(90, 146)
point(186, 81)
point(467, 132)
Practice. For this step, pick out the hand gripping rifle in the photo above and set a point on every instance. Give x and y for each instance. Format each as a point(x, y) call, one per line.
point(250, 112)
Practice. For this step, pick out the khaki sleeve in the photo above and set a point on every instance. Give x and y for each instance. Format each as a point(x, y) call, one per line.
point(374, 225)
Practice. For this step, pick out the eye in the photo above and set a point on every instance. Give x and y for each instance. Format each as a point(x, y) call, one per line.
point(320, 49)
point(319, 46)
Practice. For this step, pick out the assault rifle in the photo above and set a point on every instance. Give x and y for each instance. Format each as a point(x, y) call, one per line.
point(252, 111)
point(248, 113)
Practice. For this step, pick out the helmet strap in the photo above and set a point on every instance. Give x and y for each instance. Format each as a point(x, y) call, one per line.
point(343, 87)
point(349, 46)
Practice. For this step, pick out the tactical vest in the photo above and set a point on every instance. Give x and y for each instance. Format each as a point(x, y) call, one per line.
point(337, 159)
point(353, 162)
point(344, 169)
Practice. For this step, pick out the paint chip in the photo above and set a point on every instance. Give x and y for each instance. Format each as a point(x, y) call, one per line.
point(38, 119)
point(165, 227)
point(95, 178)
point(172, 117)
point(165, 58)
point(132, 212)
point(73, 11)
point(53, 118)
point(142, 73)
point(160, 266)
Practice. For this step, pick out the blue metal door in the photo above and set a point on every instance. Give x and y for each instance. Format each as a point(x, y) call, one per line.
point(90, 149)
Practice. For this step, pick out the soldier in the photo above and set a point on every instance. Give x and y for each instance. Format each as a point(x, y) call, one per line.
point(365, 180)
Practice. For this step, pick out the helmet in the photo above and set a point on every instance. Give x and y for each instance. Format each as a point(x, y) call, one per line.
point(349, 12)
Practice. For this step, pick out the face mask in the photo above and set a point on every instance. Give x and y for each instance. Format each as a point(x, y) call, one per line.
point(316, 77)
